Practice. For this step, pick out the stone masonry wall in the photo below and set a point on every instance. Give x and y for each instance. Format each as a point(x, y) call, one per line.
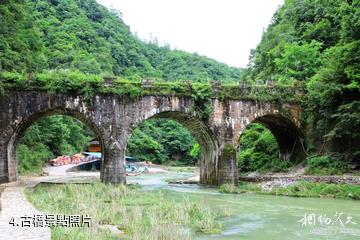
point(113, 118)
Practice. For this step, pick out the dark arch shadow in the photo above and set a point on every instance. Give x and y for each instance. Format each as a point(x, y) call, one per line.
point(289, 137)
point(203, 135)
point(18, 133)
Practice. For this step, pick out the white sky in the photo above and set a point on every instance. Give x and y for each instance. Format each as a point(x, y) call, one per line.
point(225, 30)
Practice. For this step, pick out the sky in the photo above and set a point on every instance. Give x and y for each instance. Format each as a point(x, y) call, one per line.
point(225, 30)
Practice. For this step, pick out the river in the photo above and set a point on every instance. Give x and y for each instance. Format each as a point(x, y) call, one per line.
point(266, 217)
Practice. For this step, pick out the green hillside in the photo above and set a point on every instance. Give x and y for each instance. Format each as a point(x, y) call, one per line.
point(84, 36)
point(311, 43)
point(317, 43)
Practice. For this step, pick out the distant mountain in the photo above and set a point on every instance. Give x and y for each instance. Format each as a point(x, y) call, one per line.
point(83, 35)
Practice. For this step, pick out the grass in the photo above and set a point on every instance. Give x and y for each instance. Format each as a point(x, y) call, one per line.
point(139, 214)
point(299, 189)
point(88, 85)
point(34, 172)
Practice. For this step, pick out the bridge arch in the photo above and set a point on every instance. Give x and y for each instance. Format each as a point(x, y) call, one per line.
point(203, 135)
point(20, 128)
point(289, 137)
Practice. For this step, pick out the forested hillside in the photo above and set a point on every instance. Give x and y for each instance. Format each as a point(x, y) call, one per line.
point(317, 43)
point(81, 35)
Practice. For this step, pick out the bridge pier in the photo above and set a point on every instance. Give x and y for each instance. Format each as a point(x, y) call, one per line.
point(8, 159)
point(228, 171)
point(3, 166)
point(113, 167)
point(208, 171)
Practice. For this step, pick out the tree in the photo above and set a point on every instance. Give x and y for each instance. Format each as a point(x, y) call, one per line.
point(163, 141)
point(259, 151)
point(50, 137)
point(317, 42)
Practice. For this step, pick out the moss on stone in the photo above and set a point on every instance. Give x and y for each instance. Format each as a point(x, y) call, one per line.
point(88, 85)
point(229, 150)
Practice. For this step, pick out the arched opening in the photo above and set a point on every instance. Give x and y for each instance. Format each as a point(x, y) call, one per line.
point(48, 135)
point(163, 142)
point(288, 136)
point(270, 143)
point(188, 142)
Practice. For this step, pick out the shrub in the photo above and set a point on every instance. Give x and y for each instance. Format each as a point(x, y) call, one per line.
point(259, 151)
point(325, 165)
point(32, 160)
point(228, 188)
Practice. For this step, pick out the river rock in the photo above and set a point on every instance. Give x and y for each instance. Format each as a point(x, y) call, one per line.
point(112, 228)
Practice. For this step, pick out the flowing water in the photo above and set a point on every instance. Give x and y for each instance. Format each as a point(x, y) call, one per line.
point(267, 217)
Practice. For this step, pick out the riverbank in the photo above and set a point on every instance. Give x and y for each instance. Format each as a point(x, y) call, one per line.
point(296, 189)
point(135, 213)
point(354, 180)
point(290, 184)
point(298, 173)
point(158, 210)
point(181, 169)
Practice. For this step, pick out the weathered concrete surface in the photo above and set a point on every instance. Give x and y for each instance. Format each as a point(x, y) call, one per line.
point(113, 118)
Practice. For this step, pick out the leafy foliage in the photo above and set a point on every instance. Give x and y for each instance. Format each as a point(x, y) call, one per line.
point(163, 141)
point(21, 47)
point(32, 158)
point(50, 137)
point(202, 107)
point(325, 165)
point(82, 35)
point(317, 42)
point(63, 81)
point(259, 151)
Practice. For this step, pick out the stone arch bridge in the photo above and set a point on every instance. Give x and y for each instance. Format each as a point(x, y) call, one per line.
point(113, 118)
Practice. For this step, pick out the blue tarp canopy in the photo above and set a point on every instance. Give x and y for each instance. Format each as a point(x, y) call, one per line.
point(95, 154)
point(98, 155)
point(127, 158)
